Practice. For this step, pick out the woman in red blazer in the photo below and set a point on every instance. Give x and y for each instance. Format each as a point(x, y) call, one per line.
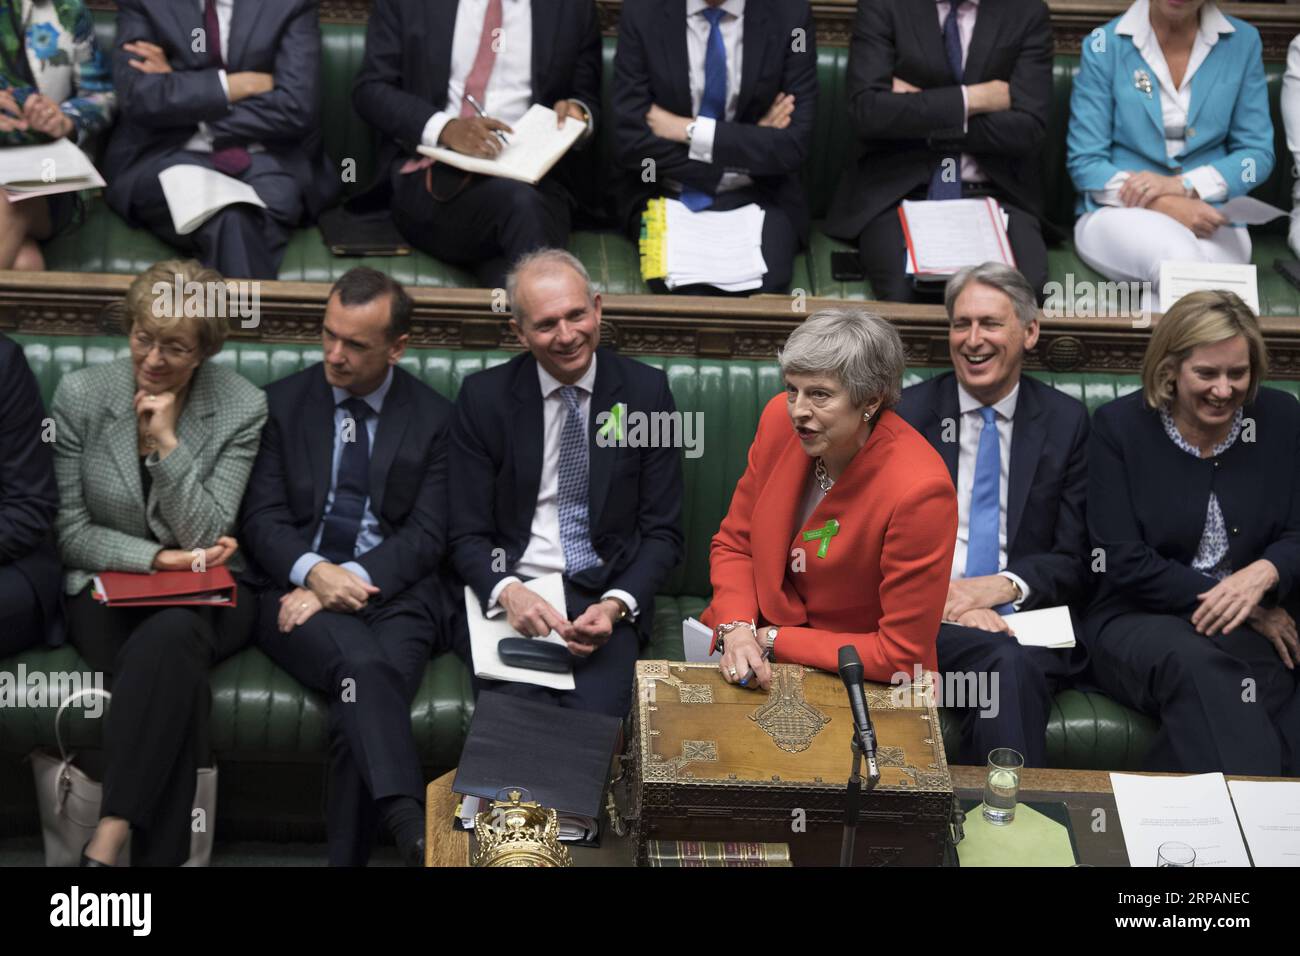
point(841, 530)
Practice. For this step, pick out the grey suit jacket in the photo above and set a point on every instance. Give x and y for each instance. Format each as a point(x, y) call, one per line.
point(104, 523)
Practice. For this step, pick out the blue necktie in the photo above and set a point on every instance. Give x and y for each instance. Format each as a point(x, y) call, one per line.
point(713, 103)
point(575, 527)
point(939, 187)
point(985, 501)
point(338, 540)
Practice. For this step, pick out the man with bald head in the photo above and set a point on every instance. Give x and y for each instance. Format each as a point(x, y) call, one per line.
point(537, 492)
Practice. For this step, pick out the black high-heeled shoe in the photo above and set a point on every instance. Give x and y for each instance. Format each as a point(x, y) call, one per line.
point(87, 861)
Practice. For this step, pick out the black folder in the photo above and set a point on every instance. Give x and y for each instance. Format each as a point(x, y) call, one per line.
point(561, 756)
point(353, 234)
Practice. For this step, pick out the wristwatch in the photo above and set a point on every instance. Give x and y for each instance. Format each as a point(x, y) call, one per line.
point(622, 608)
point(690, 132)
point(769, 642)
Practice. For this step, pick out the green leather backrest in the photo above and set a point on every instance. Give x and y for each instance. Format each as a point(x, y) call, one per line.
point(348, 137)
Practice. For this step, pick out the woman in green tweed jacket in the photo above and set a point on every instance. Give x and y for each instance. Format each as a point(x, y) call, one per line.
point(55, 82)
point(152, 453)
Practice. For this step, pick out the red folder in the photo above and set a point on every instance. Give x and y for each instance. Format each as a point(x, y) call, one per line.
point(214, 588)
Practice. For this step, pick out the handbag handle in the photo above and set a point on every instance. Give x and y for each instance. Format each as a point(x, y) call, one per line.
point(58, 736)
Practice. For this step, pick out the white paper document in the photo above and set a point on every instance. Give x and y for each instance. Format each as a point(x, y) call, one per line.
point(1195, 810)
point(944, 236)
point(1249, 211)
point(696, 641)
point(44, 169)
point(723, 249)
point(1179, 278)
point(536, 145)
point(1045, 627)
point(485, 633)
point(195, 194)
point(1269, 811)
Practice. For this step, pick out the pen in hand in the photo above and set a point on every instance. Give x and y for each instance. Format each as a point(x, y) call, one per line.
point(469, 98)
point(749, 674)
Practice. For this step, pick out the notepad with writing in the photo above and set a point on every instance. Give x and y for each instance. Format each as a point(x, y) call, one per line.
point(536, 144)
point(561, 756)
point(944, 236)
point(215, 588)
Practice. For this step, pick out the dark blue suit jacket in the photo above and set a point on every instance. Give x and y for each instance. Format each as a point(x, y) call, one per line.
point(636, 493)
point(403, 79)
point(1147, 500)
point(652, 66)
point(1047, 535)
point(29, 495)
point(160, 112)
point(285, 500)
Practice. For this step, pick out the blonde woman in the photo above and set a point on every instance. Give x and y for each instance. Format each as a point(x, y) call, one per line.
point(152, 453)
point(1194, 507)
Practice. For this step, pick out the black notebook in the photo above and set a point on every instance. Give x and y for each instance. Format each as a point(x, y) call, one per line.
point(562, 757)
point(370, 234)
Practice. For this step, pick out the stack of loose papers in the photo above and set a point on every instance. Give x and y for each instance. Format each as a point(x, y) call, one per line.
point(535, 145)
point(721, 249)
point(486, 633)
point(195, 194)
point(944, 236)
point(44, 169)
point(1269, 811)
point(1045, 627)
point(1194, 810)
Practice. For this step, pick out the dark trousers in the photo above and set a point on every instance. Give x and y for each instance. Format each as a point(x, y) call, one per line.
point(240, 241)
point(603, 680)
point(780, 245)
point(483, 223)
point(1016, 707)
point(1225, 703)
point(368, 665)
point(884, 251)
point(156, 662)
point(21, 620)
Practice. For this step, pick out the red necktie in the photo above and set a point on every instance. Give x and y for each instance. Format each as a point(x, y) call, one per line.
point(486, 58)
point(232, 160)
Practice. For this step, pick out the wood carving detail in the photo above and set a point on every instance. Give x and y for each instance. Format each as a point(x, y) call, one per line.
point(787, 717)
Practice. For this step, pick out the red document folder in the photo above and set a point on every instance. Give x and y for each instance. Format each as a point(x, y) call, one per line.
point(214, 588)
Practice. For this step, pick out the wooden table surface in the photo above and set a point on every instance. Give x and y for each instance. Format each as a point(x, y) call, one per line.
point(1084, 793)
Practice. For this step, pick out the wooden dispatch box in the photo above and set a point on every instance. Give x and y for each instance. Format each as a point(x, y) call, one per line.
point(715, 761)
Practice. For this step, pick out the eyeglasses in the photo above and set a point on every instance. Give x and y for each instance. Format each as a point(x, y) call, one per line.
point(144, 344)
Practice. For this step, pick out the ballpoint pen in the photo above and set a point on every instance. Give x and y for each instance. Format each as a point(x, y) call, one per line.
point(483, 113)
point(749, 673)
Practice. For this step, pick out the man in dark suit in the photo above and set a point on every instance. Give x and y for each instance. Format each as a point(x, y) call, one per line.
point(345, 524)
point(546, 484)
point(30, 573)
point(1016, 449)
point(245, 101)
point(946, 106)
point(427, 62)
point(720, 95)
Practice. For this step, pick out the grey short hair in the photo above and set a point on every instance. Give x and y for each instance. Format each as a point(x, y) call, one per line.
point(1005, 279)
point(545, 260)
point(859, 348)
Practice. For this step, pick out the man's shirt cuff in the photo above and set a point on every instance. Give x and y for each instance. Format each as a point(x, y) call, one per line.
point(965, 111)
point(225, 84)
point(1020, 583)
point(701, 148)
point(433, 128)
point(302, 567)
point(629, 600)
point(358, 570)
point(494, 608)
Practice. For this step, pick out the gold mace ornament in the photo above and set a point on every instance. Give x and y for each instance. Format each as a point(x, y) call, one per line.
point(518, 832)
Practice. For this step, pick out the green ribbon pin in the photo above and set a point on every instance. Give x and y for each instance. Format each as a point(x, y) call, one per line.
point(614, 424)
point(823, 534)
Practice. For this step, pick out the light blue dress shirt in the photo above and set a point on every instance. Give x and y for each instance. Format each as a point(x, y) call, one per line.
point(369, 536)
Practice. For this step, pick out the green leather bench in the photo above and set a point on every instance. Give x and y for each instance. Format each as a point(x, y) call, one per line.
point(103, 243)
point(261, 716)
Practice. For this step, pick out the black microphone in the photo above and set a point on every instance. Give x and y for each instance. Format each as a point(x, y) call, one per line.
point(851, 674)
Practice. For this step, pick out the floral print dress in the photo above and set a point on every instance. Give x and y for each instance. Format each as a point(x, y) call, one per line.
point(48, 46)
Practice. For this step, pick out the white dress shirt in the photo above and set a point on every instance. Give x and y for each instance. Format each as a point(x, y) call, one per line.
point(1175, 101)
point(201, 142)
point(970, 170)
point(732, 26)
point(510, 85)
point(1290, 104)
point(545, 552)
point(972, 424)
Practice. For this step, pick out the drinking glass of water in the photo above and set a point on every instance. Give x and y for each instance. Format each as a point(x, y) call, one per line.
point(1175, 854)
point(1002, 785)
